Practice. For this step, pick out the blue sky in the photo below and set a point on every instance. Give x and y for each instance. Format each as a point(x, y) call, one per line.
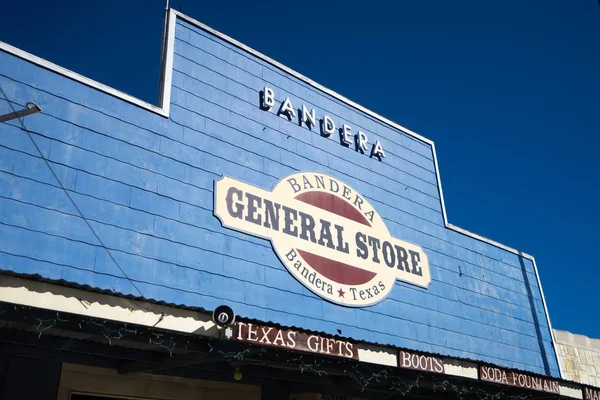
point(509, 91)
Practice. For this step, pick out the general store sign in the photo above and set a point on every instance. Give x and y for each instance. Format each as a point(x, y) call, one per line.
point(328, 236)
point(290, 339)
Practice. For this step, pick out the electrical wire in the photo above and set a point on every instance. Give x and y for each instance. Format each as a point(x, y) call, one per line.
point(70, 198)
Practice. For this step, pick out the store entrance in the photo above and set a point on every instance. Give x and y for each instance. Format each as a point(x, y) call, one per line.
point(79, 382)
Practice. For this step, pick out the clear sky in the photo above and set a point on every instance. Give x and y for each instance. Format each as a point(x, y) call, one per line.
point(508, 90)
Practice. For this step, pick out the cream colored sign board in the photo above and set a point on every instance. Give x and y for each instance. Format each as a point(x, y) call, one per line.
point(327, 235)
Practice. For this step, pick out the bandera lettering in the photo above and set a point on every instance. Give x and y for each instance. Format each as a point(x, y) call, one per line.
point(326, 234)
point(306, 117)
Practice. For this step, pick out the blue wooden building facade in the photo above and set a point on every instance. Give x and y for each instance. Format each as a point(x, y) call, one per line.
point(104, 193)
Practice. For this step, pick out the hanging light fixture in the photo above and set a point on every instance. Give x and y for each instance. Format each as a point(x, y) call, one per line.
point(30, 108)
point(237, 374)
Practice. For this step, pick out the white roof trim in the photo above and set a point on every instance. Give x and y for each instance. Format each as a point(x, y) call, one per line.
point(80, 78)
point(166, 67)
point(539, 282)
point(165, 97)
point(48, 296)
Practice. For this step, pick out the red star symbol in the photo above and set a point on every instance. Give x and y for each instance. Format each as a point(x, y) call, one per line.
point(341, 293)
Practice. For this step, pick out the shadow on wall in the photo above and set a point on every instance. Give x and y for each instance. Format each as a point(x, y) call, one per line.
point(536, 321)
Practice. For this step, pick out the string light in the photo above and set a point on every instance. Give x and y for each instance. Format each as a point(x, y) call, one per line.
point(229, 356)
point(383, 379)
point(51, 324)
point(447, 385)
point(362, 380)
point(467, 391)
point(404, 387)
point(160, 342)
point(111, 334)
point(315, 367)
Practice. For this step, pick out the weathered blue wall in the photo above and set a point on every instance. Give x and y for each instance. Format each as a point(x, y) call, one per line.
point(145, 184)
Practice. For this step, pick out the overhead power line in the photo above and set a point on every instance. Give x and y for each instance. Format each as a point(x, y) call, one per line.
point(19, 115)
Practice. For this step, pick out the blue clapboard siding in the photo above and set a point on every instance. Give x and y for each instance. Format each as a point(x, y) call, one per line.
point(145, 185)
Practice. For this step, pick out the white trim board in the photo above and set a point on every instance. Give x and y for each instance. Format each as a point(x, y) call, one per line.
point(63, 299)
point(165, 97)
point(166, 67)
point(48, 296)
point(80, 78)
